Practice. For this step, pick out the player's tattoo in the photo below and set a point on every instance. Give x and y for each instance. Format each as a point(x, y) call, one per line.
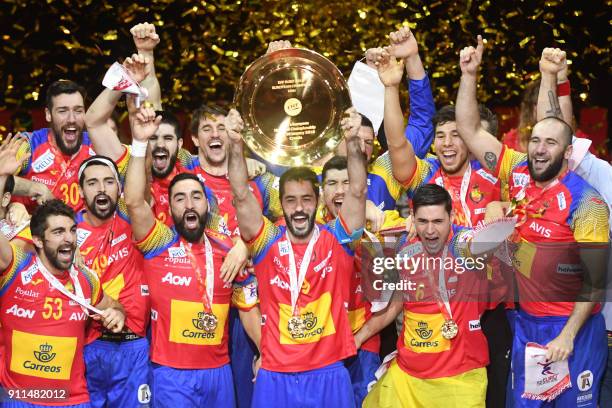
point(555, 109)
point(491, 160)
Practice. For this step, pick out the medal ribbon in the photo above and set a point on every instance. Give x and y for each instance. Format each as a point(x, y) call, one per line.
point(206, 288)
point(465, 183)
point(78, 296)
point(295, 280)
point(441, 294)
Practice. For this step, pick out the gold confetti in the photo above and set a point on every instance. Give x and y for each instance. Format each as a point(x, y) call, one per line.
point(206, 45)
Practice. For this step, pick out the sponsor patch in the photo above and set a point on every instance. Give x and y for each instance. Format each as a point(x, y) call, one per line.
point(117, 240)
point(28, 274)
point(561, 201)
point(474, 325)
point(177, 252)
point(43, 162)
point(569, 269)
point(82, 235)
point(520, 179)
point(487, 176)
point(283, 248)
point(585, 380)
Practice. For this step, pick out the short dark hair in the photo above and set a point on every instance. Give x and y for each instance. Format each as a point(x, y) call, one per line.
point(181, 177)
point(335, 163)
point(94, 161)
point(299, 174)
point(488, 116)
point(366, 122)
point(443, 115)
point(9, 185)
point(213, 110)
point(447, 114)
point(38, 223)
point(567, 129)
point(170, 119)
point(431, 194)
point(63, 86)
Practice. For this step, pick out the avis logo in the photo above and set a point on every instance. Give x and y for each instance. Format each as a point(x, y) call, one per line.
point(546, 370)
point(45, 354)
point(424, 331)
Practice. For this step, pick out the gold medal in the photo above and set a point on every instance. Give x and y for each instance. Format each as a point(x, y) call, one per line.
point(450, 329)
point(209, 322)
point(295, 326)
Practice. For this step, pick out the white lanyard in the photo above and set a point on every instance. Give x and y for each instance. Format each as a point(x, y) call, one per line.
point(295, 280)
point(465, 182)
point(442, 285)
point(78, 296)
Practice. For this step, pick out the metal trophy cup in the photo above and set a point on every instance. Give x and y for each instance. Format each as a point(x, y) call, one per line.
point(292, 102)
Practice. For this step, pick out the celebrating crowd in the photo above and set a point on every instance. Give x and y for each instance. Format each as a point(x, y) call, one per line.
point(143, 275)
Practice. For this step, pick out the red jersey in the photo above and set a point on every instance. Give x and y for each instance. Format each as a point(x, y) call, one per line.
point(422, 350)
point(479, 189)
point(159, 187)
point(264, 187)
point(322, 301)
point(108, 250)
point(178, 340)
point(49, 166)
point(43, 330)
point(551, 220)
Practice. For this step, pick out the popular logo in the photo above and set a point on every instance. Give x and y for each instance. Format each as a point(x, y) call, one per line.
point(423, 331)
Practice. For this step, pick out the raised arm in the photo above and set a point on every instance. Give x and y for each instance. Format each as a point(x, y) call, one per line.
point(143, 123)
point(401, 152)
point(551, 63)
point(353, 206)
point(564, 94)
point(104, 139)
point(419, 132)
point(146, 39)
point(483, 145)
point(248, 211)
point(9, 164)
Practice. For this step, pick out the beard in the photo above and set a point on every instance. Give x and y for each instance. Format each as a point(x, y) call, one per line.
point(52, 256)
point(300, 233)
point(190, 235)
point(549, 173)
point(66, 150)
point(104, 214)
point(161, 174)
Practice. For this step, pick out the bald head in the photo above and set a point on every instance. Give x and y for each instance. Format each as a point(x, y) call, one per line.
point(555, 128)
point(549, 149)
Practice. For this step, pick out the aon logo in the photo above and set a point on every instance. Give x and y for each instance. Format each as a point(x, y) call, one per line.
point(20, 312)
point(176, 280)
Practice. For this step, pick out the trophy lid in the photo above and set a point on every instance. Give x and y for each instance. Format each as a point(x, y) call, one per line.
point(292, 101)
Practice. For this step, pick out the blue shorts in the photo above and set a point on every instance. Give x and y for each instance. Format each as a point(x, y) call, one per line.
point(211, 387)
point(329, 386)
point(362, 368)
point(586, 364)
point(242, 351)
point(118, 374)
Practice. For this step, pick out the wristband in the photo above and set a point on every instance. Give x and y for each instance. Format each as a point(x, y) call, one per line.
point(139, 149)
point(564, 88)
